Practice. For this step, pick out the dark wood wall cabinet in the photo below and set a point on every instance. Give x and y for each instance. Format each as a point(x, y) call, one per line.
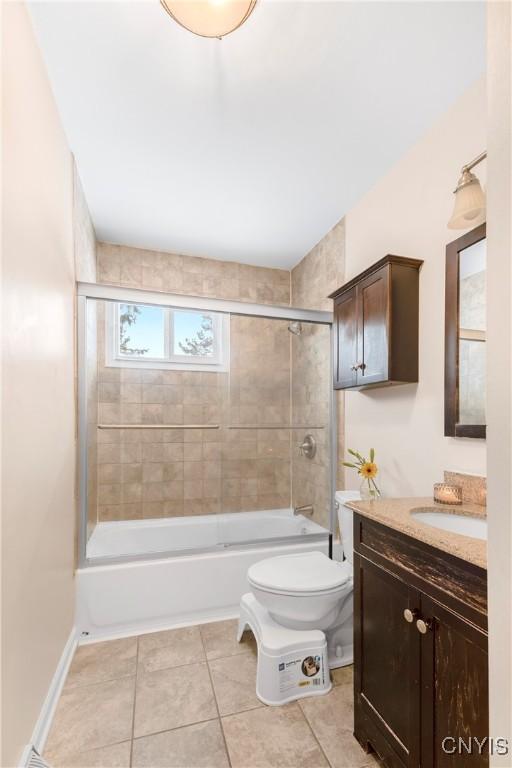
point(376, 326)
point(420, 645)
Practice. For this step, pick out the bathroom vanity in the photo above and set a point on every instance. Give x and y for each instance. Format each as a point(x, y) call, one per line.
point(420, 644)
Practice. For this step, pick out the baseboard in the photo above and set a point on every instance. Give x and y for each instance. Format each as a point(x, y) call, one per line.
point(44, 721)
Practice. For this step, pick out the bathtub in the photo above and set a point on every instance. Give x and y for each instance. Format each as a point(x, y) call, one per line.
point(189, 570)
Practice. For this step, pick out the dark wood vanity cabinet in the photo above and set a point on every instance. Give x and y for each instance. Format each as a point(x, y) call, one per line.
point(420, 648)
point(376, 326)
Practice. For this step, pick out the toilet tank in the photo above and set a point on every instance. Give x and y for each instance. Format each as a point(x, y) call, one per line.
point(346, 522)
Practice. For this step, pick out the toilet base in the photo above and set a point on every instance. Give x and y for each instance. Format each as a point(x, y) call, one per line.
point(335, 662)
point(292, 664)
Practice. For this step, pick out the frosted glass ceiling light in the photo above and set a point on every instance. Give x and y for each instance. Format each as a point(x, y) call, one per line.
point(209, 18)
point(469, 197)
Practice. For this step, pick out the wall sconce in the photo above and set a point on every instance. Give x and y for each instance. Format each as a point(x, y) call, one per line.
point(469, 197)
point(209, 18)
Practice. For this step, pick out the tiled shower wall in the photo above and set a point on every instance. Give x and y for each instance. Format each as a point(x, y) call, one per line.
point(275, 379)
point(318, 274)
point(156, 271)
point(153, 473)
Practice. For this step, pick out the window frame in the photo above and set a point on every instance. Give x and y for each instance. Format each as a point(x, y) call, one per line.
point(218, 362)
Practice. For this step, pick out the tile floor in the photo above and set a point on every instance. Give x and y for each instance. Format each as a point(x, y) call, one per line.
point(185, 698)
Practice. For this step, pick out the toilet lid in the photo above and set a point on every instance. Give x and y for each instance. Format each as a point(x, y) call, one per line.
point(308, 572)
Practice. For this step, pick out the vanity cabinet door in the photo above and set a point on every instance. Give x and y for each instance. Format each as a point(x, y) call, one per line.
point(345, 339)
point(373, 307)
point(387, 665)
point(454, 689)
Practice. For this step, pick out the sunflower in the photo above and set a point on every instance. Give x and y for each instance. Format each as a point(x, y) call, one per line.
point(368, 470)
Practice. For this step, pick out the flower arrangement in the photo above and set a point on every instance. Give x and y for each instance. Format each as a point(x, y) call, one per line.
point(368, 471)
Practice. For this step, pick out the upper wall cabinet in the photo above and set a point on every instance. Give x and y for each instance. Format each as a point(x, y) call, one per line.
point(376, 326)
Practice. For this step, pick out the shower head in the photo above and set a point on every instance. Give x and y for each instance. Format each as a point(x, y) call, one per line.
point(295, 327)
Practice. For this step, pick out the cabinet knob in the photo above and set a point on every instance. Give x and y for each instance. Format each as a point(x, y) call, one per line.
point(354, 367)
point(410, 615)
point(424, 626)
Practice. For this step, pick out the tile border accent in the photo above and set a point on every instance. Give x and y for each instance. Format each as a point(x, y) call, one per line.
point(474, 487)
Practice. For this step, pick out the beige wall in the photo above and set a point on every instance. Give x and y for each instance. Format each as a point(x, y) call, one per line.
point(499, 277)
point(319, 273)
point(188, 472)
point(38, 430)
point(406, 213)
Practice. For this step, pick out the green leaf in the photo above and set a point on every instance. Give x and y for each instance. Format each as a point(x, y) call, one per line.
point(357, 455)
point(348, 464)
point(372, 454)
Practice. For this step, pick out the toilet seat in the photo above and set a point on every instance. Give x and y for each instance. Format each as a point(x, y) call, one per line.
point(301, 575)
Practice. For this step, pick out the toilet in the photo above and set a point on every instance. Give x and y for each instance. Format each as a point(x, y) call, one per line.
point(309, 591)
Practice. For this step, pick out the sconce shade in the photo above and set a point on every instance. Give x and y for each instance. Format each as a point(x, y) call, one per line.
point(209, 18)
point(469, 202)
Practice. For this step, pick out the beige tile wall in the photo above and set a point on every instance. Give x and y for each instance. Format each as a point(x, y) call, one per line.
point(256, 462)
point(158, 271)
point(319, 273)
point(174, 472)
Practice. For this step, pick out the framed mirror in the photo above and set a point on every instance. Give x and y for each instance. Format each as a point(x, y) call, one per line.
point(465, 333)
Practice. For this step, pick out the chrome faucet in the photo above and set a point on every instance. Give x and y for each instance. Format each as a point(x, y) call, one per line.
point(306, 509)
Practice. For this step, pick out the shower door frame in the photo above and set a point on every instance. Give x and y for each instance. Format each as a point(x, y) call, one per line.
point(105, 292)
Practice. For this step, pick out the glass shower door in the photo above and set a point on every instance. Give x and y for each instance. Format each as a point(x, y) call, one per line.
point(279, 393)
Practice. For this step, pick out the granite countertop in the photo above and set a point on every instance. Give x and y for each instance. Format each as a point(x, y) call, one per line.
point(395, 513)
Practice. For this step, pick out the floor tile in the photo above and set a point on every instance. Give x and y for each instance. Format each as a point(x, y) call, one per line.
point(331, 718)
point(234, 683)
point(195, 746)
point(114, 756)
point(343, 675)
point(100, 662)
point(92, 716)
point(219, 640)
point(170, 698)
point(173, 648)
point(270, 737)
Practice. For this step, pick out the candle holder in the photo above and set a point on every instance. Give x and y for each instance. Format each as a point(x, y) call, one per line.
point(447, 494)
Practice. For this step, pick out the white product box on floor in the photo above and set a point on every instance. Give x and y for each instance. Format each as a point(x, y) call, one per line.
point(292, 663)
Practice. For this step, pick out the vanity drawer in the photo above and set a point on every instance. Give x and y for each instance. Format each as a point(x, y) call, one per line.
point(455, 583)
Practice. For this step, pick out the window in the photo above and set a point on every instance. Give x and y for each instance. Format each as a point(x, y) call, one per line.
point(145, 336)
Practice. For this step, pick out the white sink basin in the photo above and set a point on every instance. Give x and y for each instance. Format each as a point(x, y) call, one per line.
point(474, 527)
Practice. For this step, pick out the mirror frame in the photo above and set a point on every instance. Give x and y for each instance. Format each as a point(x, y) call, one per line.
point(451, 341)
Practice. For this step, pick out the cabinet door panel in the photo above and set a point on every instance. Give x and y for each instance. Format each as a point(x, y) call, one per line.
point(345, 354)
point(454, 689)
point(387, 662)
point(373, 302)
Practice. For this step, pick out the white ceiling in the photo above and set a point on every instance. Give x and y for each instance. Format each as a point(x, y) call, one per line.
point(250, 148)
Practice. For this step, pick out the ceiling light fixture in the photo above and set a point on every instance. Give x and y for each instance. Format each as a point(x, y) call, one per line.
point(469, 197)
point(209, 18)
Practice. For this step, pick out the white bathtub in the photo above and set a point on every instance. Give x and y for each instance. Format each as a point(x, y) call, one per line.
point(130, 538)
point(145, 595)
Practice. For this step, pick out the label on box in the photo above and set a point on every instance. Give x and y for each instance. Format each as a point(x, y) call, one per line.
point(297, 672)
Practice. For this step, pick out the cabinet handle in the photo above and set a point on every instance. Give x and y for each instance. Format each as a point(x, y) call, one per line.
point(424, 626)
point(410, 615)
point(354, 367)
